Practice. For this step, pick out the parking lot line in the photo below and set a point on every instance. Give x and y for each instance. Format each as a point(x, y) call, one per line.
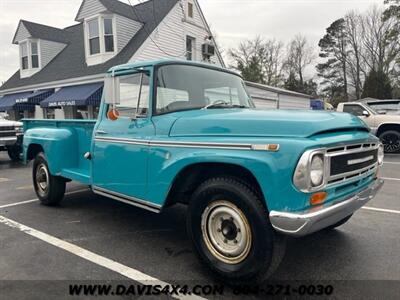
point(389, 178)
point(34, 200)
point(391, 163)
point(382, 210)
point(90, 256)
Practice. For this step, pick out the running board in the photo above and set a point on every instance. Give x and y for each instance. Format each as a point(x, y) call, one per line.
point(127, 199)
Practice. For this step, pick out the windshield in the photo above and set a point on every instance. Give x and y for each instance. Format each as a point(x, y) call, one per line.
point(183, 87)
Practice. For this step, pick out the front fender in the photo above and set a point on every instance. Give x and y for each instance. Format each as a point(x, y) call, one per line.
point(272, 170)
point(58, 145)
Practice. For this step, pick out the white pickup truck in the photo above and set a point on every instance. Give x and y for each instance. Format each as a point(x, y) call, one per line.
point(385, 126)
point(11, 138)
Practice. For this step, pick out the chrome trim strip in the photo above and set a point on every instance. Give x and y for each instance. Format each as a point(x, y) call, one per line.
point(339, 180)
point(178, 144)
point(316, 218)
point(360, 160)
point(127, 199)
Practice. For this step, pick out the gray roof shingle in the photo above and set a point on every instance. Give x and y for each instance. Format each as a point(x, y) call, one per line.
point(44, 32)
point(71, 62)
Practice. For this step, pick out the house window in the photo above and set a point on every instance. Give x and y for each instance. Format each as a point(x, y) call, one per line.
point(24, 56)
point(108, 35)
point(94, 39)
point(34, 55)
point(190, 42)
point(190, 10)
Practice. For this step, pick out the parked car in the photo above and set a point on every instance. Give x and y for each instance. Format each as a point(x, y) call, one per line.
point(183, 132)
point(11, 138)
point(391, 107)
point(384, 126)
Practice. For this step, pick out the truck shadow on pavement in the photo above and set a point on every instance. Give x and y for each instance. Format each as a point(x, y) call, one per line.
point(158, 245)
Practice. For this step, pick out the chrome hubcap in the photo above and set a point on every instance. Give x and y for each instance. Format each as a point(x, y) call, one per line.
point(226, 232)
point(42, 178)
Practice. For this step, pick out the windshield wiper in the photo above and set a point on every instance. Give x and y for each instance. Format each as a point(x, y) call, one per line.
point(223, 104)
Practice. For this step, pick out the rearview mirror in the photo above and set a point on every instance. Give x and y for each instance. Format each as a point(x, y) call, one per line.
point(365, 113)
point(111, 90)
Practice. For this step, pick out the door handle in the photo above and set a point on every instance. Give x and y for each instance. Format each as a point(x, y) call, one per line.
point(101, 132)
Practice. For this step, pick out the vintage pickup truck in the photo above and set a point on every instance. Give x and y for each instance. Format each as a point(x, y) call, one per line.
point(183, 132)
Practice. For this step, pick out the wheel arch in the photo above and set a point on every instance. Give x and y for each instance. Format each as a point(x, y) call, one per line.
point(192, 175)
point(386, 127)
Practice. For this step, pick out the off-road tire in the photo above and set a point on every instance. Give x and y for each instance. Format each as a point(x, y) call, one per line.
point(54, 191)
point(267, 248)
point(391, 141)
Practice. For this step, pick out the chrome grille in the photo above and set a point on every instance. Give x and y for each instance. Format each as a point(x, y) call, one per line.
point(351, 162)
point(7, 131)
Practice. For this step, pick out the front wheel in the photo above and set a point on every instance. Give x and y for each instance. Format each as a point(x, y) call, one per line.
point(391, 141)
point(230, 230)
point(49, 189)
point(14, 153)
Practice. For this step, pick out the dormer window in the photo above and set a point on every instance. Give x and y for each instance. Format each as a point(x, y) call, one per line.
point(29, 57)
point(94, 38)
point(34, 55)
point(24, 56)
point(100, 39)
point(108, 35)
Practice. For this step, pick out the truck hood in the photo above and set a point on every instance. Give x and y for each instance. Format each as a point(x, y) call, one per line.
point(261, 123)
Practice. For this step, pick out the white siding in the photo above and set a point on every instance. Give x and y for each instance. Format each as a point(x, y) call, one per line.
point(90, 8)
point(292, 102)
point(126, 30)
point(264, 103)
point(22, 33)
point(170, 36)
point(49, 50)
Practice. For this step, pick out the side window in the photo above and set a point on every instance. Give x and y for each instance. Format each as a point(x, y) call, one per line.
point(130, 94)
point(356, 110)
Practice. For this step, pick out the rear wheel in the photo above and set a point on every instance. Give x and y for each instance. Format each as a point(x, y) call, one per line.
point(230, 230)
point(49, 189)
point(391, 141)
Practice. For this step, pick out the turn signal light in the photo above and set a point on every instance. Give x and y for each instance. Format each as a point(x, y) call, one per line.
point(318, 198)
point(113, 114)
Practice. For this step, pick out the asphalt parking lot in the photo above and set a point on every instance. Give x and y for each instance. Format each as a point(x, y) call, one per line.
point(93, 238)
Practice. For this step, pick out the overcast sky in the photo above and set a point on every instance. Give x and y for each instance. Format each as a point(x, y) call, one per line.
point(232, 20)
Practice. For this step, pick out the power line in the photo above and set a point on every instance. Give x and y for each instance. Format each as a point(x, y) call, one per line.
point(149, 34)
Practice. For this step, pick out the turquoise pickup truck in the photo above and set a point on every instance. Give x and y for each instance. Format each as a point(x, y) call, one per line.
point(174, 131)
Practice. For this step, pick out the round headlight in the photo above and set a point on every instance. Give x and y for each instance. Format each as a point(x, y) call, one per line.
point(381, 154)
point(317, 170)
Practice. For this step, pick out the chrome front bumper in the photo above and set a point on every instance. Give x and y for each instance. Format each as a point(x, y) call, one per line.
point(8, 141)
point(317, 218)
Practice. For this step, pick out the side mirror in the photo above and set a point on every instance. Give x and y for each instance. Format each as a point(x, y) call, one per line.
point(111, 90)
point(365, 113)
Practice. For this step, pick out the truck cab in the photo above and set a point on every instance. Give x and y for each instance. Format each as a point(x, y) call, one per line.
point(383, 125)
point(176, 131)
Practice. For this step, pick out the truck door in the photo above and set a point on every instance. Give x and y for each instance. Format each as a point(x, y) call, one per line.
point(120, 149)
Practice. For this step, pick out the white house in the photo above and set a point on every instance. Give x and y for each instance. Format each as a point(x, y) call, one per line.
point(61, 70)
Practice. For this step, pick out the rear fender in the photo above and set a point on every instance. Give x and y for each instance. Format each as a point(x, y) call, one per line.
point(59, 146)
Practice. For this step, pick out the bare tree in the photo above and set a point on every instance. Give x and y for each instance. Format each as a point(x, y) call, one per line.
point(381, 51)
point(273, 60)
point(300, 54)
point(357, 69)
